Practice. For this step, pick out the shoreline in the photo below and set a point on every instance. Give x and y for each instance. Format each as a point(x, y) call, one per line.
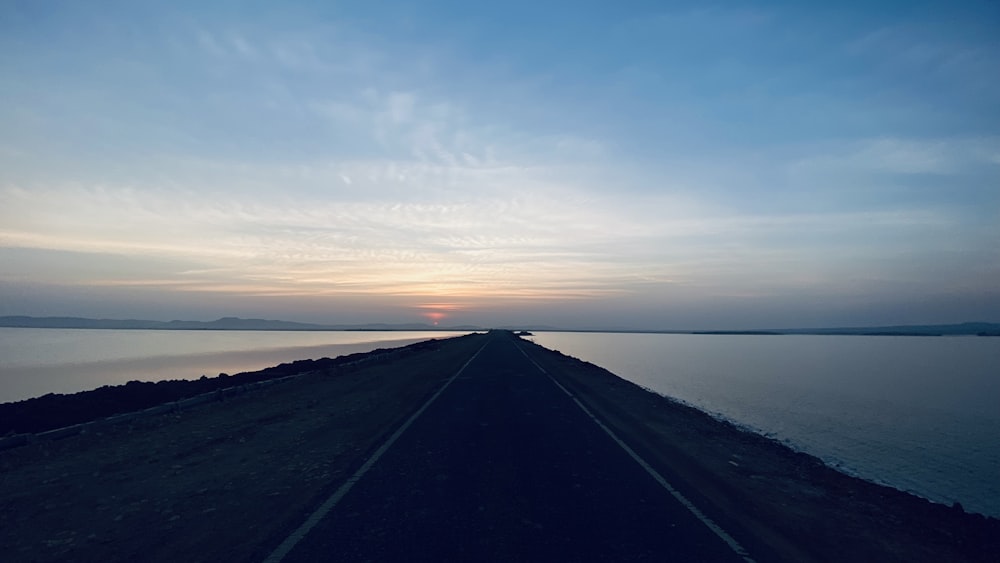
point(68, 378)
point(968, 328)
point(834, 464)
point(132, 398)
point(792, 503)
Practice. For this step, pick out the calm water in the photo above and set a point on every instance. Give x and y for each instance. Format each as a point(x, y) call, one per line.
point(34, 362)
point(917, 413)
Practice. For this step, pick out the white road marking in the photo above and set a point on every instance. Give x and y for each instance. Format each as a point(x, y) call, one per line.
point(296, 536)
point(723, 535)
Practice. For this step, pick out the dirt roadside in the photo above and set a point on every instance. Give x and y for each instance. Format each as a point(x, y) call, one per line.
point(785, 505)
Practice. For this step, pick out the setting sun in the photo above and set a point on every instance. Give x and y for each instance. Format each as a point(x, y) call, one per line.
point(435, 312)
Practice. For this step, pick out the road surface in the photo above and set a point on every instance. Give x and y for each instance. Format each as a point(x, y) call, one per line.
point(503, 465)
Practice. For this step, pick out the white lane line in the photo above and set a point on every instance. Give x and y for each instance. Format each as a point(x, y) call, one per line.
point(723, 535)
point(295, 537)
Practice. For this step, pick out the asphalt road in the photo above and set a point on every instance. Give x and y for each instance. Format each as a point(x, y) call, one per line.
point(504, 466)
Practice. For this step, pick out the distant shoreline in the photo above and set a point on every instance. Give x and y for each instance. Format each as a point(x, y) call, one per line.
point(792, 332)
point(226, 323)
point(213, 329)
point(236, 323)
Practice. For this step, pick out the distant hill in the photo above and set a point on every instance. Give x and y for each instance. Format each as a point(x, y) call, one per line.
point(227, 323)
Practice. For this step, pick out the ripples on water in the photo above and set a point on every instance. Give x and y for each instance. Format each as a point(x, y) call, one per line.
point(917, 413)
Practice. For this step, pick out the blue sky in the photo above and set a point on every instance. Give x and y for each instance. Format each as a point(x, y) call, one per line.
point(605, 164)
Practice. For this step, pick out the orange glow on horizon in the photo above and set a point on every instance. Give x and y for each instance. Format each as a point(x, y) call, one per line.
point(436, 312)
point(434, 316)
point(439, 306)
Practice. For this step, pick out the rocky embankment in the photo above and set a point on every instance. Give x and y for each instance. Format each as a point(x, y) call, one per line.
point(230, 478)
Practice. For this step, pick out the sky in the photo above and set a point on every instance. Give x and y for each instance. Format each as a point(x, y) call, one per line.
point(644, 165)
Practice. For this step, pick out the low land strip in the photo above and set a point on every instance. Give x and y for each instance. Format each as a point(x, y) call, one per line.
point(229, 480)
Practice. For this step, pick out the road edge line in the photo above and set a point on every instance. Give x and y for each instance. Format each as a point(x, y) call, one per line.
point(296, 536)
point(708, 522)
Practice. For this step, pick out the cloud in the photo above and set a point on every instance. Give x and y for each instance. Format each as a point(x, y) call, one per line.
point(938, 57)
point(933, 48)
point(368, 247)
point(400, 106)
point(903, 156)
point(505, 243)
point(726, 21)
point(208, 42)
point(242, 46)
point(272, 50)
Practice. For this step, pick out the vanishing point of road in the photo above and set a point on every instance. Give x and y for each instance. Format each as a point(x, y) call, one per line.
point(502, 464)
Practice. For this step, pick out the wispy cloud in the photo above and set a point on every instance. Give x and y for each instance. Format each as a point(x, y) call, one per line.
point(541, 245)
point(927, 49)
point(905, 156)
